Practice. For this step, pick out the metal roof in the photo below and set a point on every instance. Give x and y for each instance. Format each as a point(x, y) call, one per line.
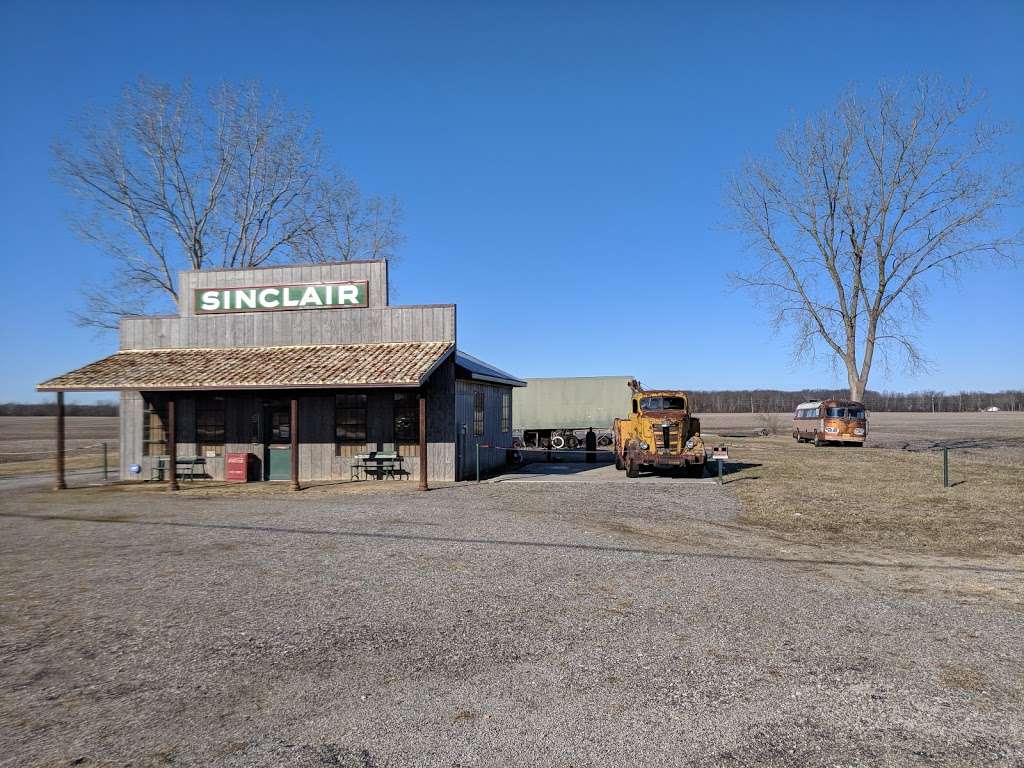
point(399, 364)
point(476, 369)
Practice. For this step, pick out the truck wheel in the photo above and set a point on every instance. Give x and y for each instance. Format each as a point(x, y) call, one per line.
point(632, 468)
point(619, 463)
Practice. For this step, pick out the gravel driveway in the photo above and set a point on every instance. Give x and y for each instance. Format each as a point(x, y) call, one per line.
point(503, 624)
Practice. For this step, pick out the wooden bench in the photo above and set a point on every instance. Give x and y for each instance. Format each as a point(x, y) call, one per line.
point(381, 463)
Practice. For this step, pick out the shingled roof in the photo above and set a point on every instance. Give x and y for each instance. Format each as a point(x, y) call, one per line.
point(400, 364)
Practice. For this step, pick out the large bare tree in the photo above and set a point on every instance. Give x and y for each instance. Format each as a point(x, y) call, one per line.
point(165, 181)
point(862, 208)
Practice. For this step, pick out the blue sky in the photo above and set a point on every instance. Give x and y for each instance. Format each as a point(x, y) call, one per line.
point(546, 154)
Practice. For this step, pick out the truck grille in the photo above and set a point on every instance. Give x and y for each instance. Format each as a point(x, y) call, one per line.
point(666, 437)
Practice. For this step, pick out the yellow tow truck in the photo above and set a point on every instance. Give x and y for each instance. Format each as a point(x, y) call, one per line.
point(659, 433)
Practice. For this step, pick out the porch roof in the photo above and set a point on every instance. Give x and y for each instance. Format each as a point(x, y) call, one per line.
point(398, 364)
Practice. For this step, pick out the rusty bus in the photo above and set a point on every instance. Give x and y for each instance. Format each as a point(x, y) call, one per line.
point(830, 421)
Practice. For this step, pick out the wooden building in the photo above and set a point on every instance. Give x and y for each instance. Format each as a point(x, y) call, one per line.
point(305, 369)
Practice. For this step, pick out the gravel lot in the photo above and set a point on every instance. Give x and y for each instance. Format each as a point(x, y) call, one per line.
point(562, 624)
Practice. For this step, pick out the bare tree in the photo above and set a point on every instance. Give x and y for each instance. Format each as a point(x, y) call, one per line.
point(862, 207)
point(164, 182)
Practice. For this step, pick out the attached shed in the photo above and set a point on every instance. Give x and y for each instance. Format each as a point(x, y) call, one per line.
point(483, 413)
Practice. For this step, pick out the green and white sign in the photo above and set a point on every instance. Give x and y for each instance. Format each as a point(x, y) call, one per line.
point(266, 298)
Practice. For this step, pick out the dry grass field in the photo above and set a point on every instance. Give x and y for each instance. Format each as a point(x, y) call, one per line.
point(889, 494)
point(27, 442)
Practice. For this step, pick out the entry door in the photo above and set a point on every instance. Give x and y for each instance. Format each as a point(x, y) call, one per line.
point(277, 448)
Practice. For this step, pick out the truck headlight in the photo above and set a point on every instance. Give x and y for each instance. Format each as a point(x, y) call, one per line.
point(689, 444)
point(644, 446)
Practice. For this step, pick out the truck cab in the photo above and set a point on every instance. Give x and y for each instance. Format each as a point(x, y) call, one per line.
point(659, 433)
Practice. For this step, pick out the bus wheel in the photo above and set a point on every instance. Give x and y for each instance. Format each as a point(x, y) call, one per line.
point(818, 441)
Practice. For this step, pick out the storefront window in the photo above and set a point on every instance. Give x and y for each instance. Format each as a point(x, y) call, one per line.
point(478, 414)
point(407, 417)
point(210, 419)
point(350, 419)
point(154, 427)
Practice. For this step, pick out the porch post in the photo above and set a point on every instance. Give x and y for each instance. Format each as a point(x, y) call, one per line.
point(295, 443)
point(423, 440)
point(172, 447)
point(59, 483)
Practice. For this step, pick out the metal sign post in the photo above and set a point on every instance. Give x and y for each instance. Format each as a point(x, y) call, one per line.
point(720, 453)
point(945, 467)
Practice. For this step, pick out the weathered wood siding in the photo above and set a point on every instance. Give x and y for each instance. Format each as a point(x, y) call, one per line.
point(131, 435)
point(318, 459)
point(490, 458)
point(297, 327)
point(317, 449)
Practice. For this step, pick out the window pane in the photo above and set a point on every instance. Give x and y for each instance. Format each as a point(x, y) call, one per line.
point(478, 414)
point(350, 418)
point(407, 417)
point(506, 411)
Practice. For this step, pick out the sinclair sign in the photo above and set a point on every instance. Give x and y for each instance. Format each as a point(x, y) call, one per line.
point(267, 298)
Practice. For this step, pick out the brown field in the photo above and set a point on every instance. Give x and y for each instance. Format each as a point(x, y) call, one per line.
point(27, 443)
point(888, 494)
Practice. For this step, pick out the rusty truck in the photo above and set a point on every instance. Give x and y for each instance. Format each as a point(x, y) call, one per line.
point(658, 434)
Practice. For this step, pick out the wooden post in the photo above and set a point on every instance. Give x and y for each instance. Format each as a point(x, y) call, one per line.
point(172, 447)
point(294, 431)
point(423, 441)
point(59, 483)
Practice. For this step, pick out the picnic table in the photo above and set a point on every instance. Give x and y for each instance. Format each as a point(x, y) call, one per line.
point(185, 467)
point(382, 463)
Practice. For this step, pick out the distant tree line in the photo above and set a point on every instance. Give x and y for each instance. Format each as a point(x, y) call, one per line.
point(50, 409)
point(925, 401)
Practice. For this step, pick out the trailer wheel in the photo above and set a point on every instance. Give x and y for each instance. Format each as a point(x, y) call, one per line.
point(557, 441)
point(604, 441)
point(572, 442)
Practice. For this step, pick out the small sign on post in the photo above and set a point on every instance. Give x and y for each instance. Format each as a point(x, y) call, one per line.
point(720, 454)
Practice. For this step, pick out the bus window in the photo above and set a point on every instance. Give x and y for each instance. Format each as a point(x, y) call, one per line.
point(837, 413)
